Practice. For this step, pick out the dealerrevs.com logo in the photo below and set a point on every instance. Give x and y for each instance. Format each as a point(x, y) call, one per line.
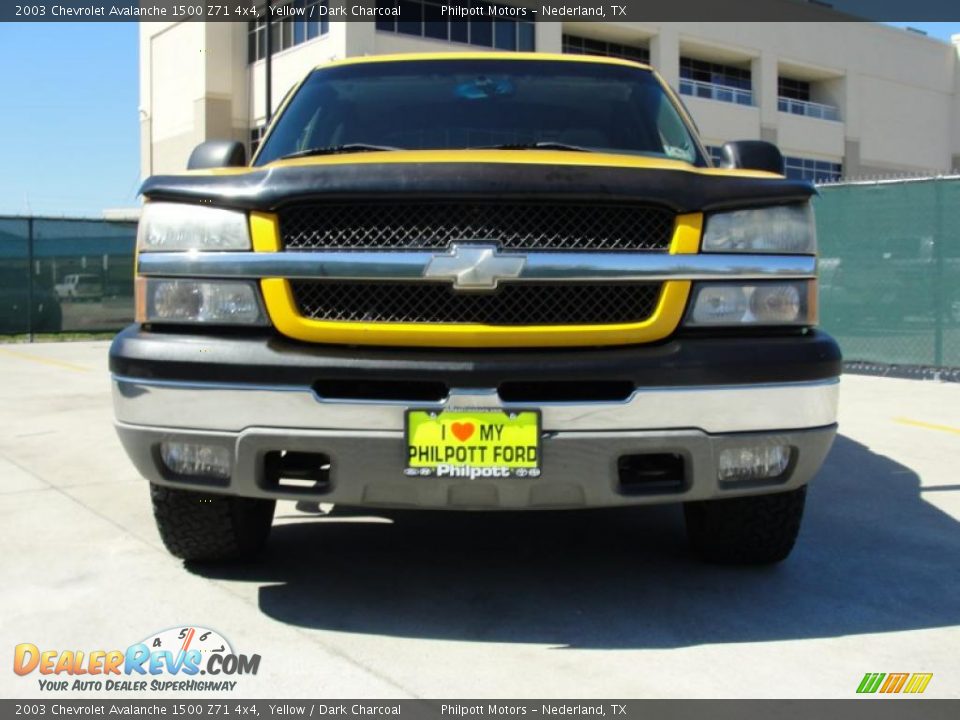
point(176, 659)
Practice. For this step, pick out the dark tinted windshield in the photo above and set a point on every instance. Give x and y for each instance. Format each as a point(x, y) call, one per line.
point(454, 104)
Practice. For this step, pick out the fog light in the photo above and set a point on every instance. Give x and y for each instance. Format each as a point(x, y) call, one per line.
point(196, 460)
point(753, 463)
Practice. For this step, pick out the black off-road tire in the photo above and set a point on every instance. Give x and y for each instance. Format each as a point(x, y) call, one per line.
point(210, 528)
point(754, 530)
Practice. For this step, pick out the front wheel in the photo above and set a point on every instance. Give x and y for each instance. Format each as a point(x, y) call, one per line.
point(754, 530)
point(208, 528)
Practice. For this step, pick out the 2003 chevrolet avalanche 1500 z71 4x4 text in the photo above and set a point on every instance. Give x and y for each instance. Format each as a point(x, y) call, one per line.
point(478, 281)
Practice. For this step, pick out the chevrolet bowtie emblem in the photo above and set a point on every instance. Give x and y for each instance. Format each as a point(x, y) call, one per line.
point(474, 267)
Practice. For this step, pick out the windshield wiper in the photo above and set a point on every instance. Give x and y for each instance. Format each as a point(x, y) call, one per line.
point(338, 149)
point(542, 145)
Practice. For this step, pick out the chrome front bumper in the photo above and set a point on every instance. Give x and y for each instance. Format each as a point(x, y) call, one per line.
point(712, 409)
point(582, 442)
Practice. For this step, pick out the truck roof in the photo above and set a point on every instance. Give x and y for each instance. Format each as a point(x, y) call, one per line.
point(481, 55)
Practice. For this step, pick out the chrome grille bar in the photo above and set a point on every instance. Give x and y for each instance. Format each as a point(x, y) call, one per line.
point(538, 266)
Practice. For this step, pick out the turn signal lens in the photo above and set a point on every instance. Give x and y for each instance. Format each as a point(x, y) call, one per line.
point(220, 302)
point(775, 303)
point(719, 304)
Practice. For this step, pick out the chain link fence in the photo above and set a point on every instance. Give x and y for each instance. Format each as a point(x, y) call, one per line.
point(890, 272)
point(65, 276)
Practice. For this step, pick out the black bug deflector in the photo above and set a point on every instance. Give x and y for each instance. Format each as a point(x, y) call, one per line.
point(271, 187)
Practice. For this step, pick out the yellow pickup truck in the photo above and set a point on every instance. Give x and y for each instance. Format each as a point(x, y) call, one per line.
point(483, 281)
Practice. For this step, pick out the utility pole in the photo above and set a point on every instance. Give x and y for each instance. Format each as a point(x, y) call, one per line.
point(269, 64)
point(30, 279)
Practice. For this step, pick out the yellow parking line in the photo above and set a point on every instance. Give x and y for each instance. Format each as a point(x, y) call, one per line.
point(43, 360)
point(927, 426)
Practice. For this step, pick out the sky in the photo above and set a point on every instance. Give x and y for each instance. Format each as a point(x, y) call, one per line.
point(941, 30)
point(69, 126)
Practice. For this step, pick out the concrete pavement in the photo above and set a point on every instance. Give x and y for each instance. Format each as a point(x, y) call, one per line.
point(576, 605)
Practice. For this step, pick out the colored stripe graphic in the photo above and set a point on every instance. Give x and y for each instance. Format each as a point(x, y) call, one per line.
point(894, 683)
point(870, 682)
point(918, 683)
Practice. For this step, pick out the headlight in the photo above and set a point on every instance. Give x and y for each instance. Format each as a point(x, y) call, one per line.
point(788, 229)
point(218, 302)
point(177, 226)
point(768, 303)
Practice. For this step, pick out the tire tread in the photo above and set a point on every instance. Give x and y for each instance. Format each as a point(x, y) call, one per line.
point(205, 527)
point(753, 530)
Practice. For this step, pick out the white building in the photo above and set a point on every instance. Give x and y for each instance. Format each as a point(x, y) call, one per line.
point(851, 98)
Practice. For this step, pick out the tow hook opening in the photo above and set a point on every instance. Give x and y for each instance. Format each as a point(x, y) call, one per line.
point(651, 474)
point(300, 472)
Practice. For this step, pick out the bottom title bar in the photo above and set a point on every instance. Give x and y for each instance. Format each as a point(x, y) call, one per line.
point(873, 709)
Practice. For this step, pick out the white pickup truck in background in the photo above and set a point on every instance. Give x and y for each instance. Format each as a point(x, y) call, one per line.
point(79, 287)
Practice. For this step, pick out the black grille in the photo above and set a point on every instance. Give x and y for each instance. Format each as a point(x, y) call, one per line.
point(511, 305)
point(529, 226)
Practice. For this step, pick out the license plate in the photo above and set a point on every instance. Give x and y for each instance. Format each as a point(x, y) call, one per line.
point(473, 443)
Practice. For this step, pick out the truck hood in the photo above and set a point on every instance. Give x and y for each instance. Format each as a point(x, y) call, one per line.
point(484, 174)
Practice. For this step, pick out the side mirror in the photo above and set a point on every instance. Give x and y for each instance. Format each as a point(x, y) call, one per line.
point(217, 154)
point(753, 155)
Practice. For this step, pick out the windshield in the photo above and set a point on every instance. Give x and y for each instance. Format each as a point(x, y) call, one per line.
point(456, 104)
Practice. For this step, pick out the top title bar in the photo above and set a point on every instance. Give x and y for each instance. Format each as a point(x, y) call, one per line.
point(480, 10)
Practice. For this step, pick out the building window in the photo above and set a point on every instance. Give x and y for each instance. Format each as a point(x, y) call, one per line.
point(818, 171)
point(574, 45)
point(713, 81)
point(425, 18)
point(793, 96)
point(708, 72)
point(256, 136)
point(305, 25)
point(793, 89)
point(795, 168)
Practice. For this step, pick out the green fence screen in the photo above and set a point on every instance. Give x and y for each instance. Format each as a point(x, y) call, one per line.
point(890, 270)
point(59, 275)
point(14, 291)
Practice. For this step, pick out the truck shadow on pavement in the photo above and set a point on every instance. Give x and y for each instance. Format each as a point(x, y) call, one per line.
point(873, 556)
